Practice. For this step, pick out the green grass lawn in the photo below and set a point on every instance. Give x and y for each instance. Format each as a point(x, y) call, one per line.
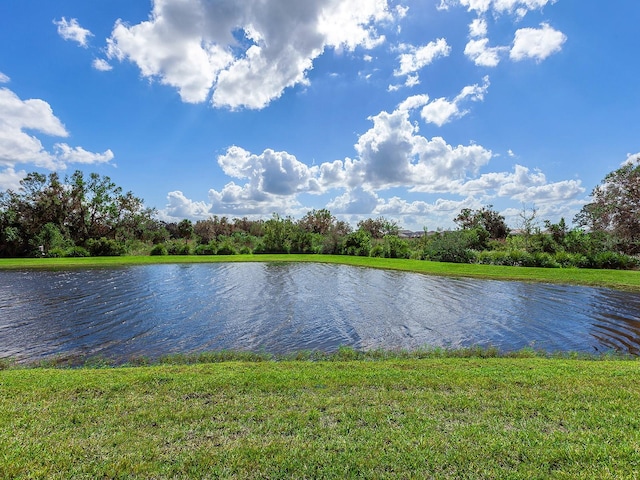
point(619, 279)
point(487, 418)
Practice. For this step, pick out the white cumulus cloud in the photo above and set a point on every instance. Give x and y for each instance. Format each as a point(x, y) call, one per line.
point(67, 154)
point(10, 179)
point(274, 173)
point(420, 57)
point(390, 154)
point(71, 30)
point(517, 7)
point(631, 158)
point(523, 185)
point(20, 119)
point(101, 65)
point(479, 51)
point(478, 28)
point(356, 201)
point(537, 43)
point(244, 54)
point(441, 110)
point(180, 207)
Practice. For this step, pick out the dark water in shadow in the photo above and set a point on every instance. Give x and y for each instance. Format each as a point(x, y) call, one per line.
point(156, 310)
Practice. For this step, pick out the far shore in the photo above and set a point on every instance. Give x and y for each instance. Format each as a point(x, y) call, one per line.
point(628, 280)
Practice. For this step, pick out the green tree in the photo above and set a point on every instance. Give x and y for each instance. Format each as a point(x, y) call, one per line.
point(486, 218)
point(395, 247)
point(558, 231)
point(615, 207)
point(80, 209)
point(11, 239)
point(317, 221)
point(529, 227)
point(379, 227)
point(277, 237)
point(185, 230)
point(49, 238)
point(99, 208)
point(358, 243)
point(455, 246)
point(332, 242)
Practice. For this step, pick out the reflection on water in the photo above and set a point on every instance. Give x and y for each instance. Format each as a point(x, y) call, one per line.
point(155, 310)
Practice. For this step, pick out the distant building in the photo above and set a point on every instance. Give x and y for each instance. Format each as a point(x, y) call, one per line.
point(410, 234)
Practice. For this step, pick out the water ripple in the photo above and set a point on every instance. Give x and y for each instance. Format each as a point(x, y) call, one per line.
point(282, 308)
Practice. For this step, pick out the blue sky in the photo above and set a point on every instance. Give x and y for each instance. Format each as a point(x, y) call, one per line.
point(408, 109)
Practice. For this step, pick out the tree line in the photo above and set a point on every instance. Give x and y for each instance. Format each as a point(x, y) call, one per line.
point(91, 216)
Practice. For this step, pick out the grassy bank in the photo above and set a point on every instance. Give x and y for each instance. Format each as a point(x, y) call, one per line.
point(433, 418)
point(619, 279)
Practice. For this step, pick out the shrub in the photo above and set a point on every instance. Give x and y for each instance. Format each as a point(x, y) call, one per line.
point(520, 258)
point(178, 248)
point(453, 247)
point(487, 257)
point(206, 249)
point(105, 247)
point(358, 243)
point(259, 248)
point(227, 248)
point(56, 252)
point(395, 247)
point(544, 260)
point(50, 238)
point(564, 259)
point(77, 252)
point(159, 249)
point(614, 260)
point(377, 251)
point(417, 255)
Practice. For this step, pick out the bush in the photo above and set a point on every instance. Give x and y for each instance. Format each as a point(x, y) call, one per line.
point(453, 247)
point(417, 255)
point(178, 248)
point(564, 259)
point(206, 249)
point(522, 258)
point(358, 243)
point(159, 250)
point(377, 251)
point(76, 252)
point(227, 248)
point(56, 252)
point(259, 248)
point(105, 247)
point(68, 252)
point(50, 238)
point(487, 257)
point(613, 260)
point(544, 260)
point(395, 247)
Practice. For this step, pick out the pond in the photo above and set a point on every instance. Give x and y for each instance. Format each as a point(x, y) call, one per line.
point(151, 311)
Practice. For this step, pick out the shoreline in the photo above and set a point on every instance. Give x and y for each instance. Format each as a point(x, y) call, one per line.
point(627, 280)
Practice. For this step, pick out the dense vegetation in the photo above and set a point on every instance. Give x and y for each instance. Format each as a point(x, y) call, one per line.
point(93, 217)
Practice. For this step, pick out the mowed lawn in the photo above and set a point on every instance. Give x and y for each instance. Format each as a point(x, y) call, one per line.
point(396, 418)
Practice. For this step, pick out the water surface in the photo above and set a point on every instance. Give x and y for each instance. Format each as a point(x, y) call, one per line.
point(150, 311)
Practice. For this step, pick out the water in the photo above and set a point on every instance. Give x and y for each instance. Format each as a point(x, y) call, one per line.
point(156, 310)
